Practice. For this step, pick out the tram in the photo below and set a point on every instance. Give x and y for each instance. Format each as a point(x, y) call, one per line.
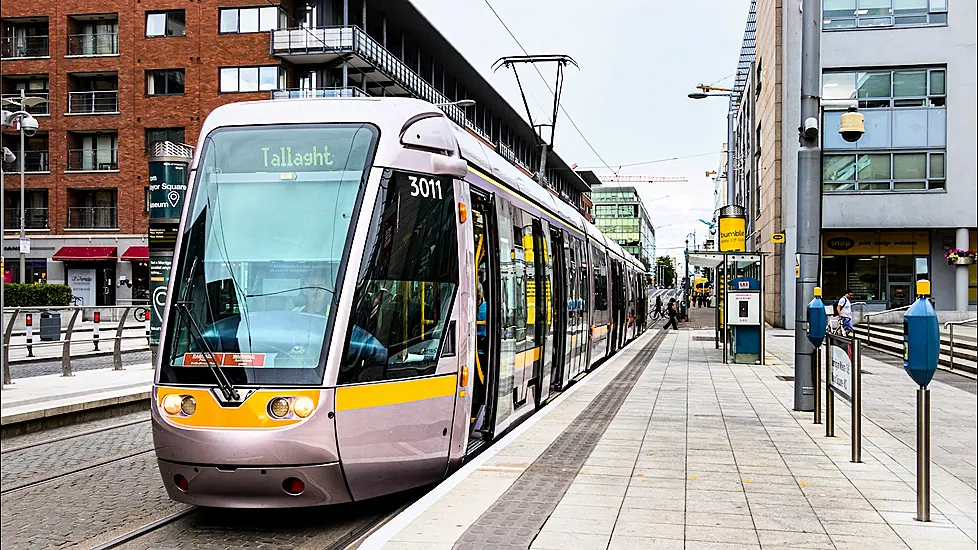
point(363, 295)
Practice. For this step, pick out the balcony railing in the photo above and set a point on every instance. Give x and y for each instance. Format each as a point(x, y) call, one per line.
point(318, 92)
point(93, 44)
point(94, 160)
point(290, 42)
point(13, 47)
point(96, 102)
point(39, 109)
point(34, 161)
point(92, 217)
point(34, 218)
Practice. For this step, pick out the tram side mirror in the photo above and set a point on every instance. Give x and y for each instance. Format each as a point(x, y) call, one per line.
point(433, 134)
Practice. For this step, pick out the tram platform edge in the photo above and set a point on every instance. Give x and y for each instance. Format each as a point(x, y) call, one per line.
point(39, 402)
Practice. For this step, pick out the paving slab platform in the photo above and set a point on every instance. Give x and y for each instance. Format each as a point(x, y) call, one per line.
point(678, 450)
point(40, 397)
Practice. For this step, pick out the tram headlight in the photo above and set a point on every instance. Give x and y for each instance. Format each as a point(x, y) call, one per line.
point(303, 406)
point(279, 407)
point(172, 403)
point(188, 405)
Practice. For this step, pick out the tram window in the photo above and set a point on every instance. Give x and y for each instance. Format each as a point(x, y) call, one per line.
point(600, 287)
point(259, 294)
point(406, 284)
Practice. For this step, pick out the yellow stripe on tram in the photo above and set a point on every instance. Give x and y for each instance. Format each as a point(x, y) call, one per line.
point(349, 398)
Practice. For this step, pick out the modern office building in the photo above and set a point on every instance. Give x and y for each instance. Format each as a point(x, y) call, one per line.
point(620, 214)
point(897, 200)
point(122, 75)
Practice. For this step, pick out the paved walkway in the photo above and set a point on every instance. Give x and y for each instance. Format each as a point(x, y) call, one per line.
point(45, 396)
point(703, 454)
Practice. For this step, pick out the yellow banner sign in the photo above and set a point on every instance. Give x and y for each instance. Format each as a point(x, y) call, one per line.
point(875, 243)
point(777, 238)
point(733, 234)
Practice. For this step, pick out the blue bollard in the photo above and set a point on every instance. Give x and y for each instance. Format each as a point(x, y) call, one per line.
point(817, 320)
point(921, 338)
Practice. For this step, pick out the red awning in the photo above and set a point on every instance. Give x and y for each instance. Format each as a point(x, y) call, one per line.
point(136, 254)
point(85, 253)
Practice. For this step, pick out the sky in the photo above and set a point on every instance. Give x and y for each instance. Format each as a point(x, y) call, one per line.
point(638, 60)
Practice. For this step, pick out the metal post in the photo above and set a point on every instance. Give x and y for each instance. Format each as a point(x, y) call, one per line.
point(923, 454)
point(66, 346)
point(98, 319)
point(730, 157)
point(952, 347)
point(117, 350)
point(818, 385)
point(29, 324)
point(829, 394)
point(857, 403)
point(809, 202)
point(23, 257)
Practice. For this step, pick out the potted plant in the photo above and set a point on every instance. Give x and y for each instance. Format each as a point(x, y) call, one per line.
point(957, 256)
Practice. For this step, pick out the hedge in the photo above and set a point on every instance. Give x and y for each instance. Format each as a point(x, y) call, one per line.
point(36, 295)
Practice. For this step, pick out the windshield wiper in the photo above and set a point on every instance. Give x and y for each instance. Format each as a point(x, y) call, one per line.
point(223, 382)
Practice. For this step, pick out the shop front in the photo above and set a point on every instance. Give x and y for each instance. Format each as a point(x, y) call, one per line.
point(90, 272)
point(878, 267)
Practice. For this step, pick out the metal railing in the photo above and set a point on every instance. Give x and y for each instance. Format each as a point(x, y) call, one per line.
point(94, 160)
point(93, 44)
point(950, 326)
point(39, 109)
point(34, 218)
point(306, 93)
point(353, 39)
point(34, 162)
point(867, 316)
point(94, 102)
point(14, 47)
point(93, 217)
point(120, 315)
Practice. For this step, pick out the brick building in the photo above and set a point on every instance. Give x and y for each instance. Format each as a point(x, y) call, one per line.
point(120, 75)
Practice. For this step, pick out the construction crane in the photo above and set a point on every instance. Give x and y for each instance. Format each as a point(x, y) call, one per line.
point(642, 179)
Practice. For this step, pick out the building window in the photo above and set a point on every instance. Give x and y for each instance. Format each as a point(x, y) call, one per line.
point(164, 82)
point(251, 79)
point(244, 20)
point(176, 135)
point(851, 14)
point(883, 171)
point(166, 23)
point(904, 88)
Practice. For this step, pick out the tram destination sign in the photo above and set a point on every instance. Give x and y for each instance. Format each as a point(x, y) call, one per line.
point(840, 356)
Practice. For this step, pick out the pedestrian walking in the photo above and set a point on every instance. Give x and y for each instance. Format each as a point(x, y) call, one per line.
point(673, 314)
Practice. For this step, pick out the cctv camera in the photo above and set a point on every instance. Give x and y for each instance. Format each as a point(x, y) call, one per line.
point(29, 124)
point(852, 125)
point(810, 129)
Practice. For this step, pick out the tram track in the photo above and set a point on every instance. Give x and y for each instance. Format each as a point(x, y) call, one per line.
point(60, 439)
point(49, 479)
point(147, 529)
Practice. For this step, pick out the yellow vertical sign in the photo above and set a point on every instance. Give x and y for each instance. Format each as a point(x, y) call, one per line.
point(733, 234)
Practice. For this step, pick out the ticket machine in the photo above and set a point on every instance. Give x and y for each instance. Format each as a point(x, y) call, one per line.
point(743, 309)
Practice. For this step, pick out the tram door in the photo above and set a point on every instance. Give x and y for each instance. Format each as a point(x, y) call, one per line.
point(487, 322)
point(559, 306)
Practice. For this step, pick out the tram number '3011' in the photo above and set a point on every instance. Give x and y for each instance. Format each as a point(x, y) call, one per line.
point(425, 187)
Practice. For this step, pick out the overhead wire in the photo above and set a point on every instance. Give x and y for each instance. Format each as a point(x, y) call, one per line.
point(545, 83)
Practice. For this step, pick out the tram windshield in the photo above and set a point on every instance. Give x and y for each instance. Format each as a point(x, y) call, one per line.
point(265, 235)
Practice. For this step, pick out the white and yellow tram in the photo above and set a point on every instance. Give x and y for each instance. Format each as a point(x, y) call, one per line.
point(362, 295)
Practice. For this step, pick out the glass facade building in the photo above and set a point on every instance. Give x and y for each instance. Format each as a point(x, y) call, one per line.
point(621, 216)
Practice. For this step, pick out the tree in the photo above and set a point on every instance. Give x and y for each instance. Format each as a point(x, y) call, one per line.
point(665, 271)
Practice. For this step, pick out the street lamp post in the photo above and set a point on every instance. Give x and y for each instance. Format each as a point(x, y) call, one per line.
point(705, 93)
point(24, 120)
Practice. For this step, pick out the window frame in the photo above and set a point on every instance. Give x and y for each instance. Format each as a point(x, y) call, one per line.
point(875, 102)
point(153, 72)
point(166, 23)
point(279, 16)
point(279, 77)
point(931, 182)
point(167, 130)
point(934, 13)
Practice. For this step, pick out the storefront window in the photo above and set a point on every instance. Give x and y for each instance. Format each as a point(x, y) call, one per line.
point(864, 278)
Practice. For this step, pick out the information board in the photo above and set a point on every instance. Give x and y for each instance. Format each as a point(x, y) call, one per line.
point(159, 276)
point(840, 356)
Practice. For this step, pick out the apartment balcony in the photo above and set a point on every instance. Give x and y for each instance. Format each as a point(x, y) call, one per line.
point(24, 47)
point(308, 93)
point(35, 162)
point(307, 46)
point(37, 110)
point(93, 160)
point(93, 217)
point(93, 103)
point(34, 218)
point(92, 45)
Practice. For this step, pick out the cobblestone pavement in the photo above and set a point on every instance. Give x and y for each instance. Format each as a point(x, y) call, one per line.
point(68, 431)
point(45, 461)
point(25, 370)
point(302, 528)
